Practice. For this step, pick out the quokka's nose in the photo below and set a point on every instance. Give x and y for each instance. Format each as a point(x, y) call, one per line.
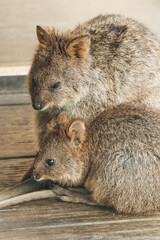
point(36, 176)
point(37, 106)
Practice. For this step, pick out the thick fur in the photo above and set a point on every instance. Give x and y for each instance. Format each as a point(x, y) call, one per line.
point(104, 62)
point(117, 157)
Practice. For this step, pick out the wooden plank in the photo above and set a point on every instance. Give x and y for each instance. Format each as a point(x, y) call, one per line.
point(13, 99)
point(12, 170)
point(52, 219)
point(15, 83)
point(16, 131)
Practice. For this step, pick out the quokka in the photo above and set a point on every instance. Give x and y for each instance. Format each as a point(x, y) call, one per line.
point(104, 62)
point(116, 158)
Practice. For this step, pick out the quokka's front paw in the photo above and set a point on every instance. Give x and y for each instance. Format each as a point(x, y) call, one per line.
point(68, 195)
point(63, 194)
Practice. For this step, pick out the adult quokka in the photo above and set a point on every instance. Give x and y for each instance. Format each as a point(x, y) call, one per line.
point(104, 62)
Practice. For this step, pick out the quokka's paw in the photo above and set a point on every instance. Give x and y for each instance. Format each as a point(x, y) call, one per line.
point(60, 191)
point(68, 195)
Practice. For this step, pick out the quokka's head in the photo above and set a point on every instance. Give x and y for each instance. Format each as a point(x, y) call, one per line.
point(59, 72)
point(59, 155)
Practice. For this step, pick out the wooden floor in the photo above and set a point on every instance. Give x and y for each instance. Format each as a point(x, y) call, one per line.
point(52, 219)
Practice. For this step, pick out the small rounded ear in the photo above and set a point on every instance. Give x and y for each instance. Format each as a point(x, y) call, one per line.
point(43, 36)
point(76, 131)
point(62, 117)
point(50, 126)
point(78, 47)
point(54, 124)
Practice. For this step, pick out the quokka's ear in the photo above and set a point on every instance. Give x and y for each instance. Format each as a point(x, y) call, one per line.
point(50, 126)
point(54, 124)
point(43, 36)
point(76, 132)
point(62, 118)
point(79, 46)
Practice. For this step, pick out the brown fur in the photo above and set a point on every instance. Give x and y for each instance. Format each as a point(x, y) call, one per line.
point(104, 62)
point(117, 157)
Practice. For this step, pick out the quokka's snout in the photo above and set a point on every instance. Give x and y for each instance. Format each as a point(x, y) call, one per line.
point(36, 176)
point(37, 102)
point(37, 105)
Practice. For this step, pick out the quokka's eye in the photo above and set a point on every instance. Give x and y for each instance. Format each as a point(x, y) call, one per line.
point(50, 162)
point(57, 84)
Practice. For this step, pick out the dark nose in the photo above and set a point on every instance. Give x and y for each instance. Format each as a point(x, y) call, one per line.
point(37, 105)
point(36, 176)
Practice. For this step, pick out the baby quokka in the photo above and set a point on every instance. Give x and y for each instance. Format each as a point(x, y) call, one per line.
point(116, 158)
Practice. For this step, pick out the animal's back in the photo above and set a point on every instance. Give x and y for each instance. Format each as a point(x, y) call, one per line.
point(125, 157)
point(127, 55)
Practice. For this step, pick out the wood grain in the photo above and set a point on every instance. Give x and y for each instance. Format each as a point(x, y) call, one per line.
point(51, 219)
point(13, 99)
point(16, 131)
point(15, 83)
point(12, 170)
